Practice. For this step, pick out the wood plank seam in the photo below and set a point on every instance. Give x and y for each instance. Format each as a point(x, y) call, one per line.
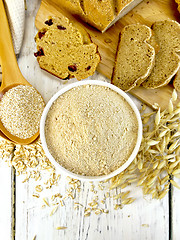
point(13, 224)
point(170, 197)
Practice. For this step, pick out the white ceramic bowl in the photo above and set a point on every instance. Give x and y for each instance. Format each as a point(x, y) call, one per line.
point(90, 178)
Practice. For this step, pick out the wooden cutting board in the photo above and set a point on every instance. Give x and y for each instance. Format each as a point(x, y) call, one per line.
point(147, 13)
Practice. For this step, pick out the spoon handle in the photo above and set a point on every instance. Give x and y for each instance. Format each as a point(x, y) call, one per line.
point(10, 70)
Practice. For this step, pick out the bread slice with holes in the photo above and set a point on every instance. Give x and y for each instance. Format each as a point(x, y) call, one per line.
point(176, 81)
point(167, 60)
point(135, 57)
point(65, 51)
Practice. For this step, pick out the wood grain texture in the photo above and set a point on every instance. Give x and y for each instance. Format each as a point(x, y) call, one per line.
point(6, 200)
point(144, 219)
point(176, 212)
point(146, 12)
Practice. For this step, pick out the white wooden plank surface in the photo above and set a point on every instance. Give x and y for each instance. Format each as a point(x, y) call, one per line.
point(144, 219)
point(6, 201)
point(6, 197)
point(31, 220)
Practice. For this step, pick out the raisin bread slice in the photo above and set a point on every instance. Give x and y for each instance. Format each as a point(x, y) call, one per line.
point(167, 60)
point(64, 51)
point(135, 57)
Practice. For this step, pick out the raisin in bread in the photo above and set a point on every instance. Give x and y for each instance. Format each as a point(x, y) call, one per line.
point(65, 51)
point(135, 57)
point(167, 60)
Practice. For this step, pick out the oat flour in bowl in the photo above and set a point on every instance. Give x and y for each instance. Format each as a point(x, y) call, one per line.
point(91, 130)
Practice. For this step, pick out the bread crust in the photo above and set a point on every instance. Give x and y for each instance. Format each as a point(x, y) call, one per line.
point(167, 60)
point(127, 81)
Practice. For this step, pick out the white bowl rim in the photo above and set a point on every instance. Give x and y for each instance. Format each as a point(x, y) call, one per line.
point(77, 176)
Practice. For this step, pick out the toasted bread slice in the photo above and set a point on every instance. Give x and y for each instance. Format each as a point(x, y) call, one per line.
point(65, 51)
point(176, 81)
point(167, 60)
point(135, 57)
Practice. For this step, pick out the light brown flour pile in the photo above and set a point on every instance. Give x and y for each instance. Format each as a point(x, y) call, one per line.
point(91, 130)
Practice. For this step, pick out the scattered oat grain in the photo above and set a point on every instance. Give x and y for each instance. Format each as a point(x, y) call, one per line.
point(61, 228)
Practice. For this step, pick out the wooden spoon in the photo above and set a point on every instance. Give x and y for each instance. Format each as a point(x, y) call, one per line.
point(11, 75)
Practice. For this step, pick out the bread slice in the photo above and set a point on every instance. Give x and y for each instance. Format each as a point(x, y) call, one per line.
point(74, 6)
point(98, 13)
point(122, 7)
point(167, 60)
point(134, 58)
point(176, 81)
point(101, 14)
point(65, 51)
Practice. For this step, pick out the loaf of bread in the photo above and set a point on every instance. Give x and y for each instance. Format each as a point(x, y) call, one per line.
point(122, 7)
point(65, 51)
point(101, 14)
point(167, 60)
point(98, 13)
point(176, 81)
point(135, 57)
